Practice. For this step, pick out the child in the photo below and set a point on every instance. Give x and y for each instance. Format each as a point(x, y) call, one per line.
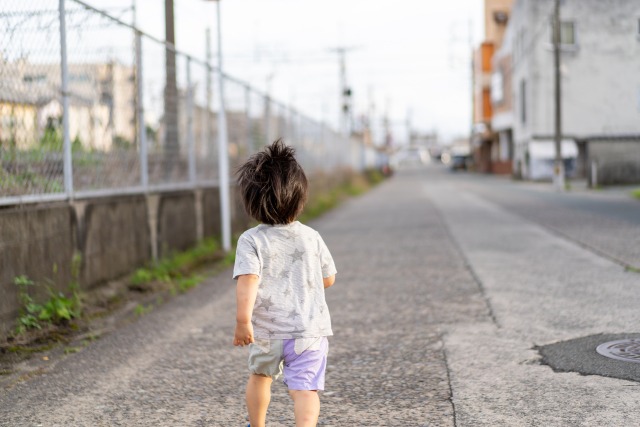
point(282, 268)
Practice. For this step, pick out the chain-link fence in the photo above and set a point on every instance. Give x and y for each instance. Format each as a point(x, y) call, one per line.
point(91, 106)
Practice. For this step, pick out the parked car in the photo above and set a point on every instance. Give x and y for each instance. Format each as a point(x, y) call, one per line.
point(456, 161)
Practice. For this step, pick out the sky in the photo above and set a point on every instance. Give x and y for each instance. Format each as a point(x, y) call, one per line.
point(409, 59)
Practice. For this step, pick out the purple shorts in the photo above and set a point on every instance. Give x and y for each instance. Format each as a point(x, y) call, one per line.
point(303, 361)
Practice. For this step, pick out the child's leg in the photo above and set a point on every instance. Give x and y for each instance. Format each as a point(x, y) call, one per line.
point(258, 398)
point(306, 407)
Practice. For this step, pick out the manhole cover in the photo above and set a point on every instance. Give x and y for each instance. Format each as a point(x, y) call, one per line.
point(626, 350)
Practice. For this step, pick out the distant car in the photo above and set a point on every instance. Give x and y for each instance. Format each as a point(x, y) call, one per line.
point(458, 162)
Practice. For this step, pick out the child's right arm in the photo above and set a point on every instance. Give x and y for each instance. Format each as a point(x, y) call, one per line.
point(329, 281)
point(246, 293)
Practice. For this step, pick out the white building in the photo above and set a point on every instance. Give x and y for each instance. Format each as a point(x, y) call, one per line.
point(600, 69)
point(101, 103)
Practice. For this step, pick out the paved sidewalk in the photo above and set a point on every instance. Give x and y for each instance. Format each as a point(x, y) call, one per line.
point(440, 298)
point(400, 281)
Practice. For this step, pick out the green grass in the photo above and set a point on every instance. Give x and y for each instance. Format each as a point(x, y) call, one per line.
point(141, 309)
point(175, 270)
point(636, 193)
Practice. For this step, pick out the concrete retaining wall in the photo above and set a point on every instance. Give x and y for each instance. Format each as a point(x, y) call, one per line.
point(112, 236)
point(37, 242)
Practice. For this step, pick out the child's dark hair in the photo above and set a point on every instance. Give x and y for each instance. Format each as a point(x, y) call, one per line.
point(273, 185)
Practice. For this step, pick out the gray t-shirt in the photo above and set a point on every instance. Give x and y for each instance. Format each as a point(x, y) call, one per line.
point(291, 261)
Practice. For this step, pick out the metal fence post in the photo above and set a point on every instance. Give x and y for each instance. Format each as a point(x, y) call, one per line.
point(191, 147)
point(142, 129)
point(223, 152)
point(267, 120)
point(247, 112)
point(64, 89)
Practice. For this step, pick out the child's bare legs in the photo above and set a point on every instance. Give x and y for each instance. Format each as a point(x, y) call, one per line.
point(306, 407)
point(258, 398)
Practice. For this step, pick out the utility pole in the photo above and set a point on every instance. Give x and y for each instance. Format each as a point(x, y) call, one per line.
point(472, 81)
point(408, 125)
point(171, 146)
point(345, 91)
point(136, 74)
point(558, 168)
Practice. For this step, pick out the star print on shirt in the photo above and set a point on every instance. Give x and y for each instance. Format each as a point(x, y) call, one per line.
point(287, 292)
point(284, 274)
point(293, 314)
point(311, 285)
point(296, 256)
point(265, 303)
point(289, 234)
point(270, 262)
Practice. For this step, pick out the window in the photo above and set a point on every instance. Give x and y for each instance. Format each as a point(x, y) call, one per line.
point(523, 102)
point(34, 78)
point(567, 33)
point(497, 90)
point(500, 17)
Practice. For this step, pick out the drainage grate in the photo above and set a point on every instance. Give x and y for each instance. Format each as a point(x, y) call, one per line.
point(626, 350)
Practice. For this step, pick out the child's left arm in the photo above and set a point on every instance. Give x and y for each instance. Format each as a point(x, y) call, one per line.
point(246, 293)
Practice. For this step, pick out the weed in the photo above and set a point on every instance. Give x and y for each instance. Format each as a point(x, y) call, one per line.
point(632, 269)
point(186, 283)
point(229, 258)
point(636, 193)
point(71, 350)
point(30, 350)
point(58, 309)
point(171, 269)
point(141, 310)
point(29, 317)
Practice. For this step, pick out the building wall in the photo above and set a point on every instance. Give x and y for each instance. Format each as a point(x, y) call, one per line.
point(494, 31)
point(600, 75)
point(18, 125)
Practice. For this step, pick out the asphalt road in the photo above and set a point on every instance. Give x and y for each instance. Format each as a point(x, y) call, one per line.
point(447, 283)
